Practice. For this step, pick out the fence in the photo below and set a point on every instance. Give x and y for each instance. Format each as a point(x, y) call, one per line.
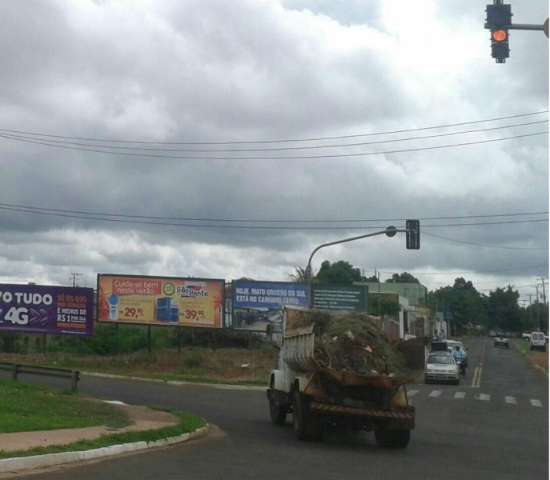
point(16, 369)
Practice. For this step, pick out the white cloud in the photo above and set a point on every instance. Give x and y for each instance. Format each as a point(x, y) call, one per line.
point(211, 70)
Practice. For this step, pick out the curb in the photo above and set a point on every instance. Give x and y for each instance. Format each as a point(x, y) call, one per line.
point(18, 464)
point(177, 383)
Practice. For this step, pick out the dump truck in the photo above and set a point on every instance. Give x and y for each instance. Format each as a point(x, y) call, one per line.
point(319, 396)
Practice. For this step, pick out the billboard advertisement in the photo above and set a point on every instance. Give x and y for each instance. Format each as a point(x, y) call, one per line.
point(192, 302)
point(46, 309)
point(259, 304)
point(339, 298)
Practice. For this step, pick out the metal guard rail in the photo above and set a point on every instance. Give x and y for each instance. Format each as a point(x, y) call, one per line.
point(18, 368)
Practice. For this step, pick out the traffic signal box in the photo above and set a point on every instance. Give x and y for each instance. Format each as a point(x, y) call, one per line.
point(413, 234)
point(499, 18)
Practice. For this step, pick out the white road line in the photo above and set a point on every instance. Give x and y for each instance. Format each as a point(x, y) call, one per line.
point(535, 402)
point(411, 393)
point(460, 395)
point(510, 400)
point(484, 396)
point(435, 393)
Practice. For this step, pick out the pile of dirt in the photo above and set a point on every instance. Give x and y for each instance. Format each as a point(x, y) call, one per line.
point(355, 343)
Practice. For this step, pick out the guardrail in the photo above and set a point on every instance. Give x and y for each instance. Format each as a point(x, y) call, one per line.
point(16, 369)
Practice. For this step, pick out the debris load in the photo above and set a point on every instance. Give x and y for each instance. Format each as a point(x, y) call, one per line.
point(352, 342)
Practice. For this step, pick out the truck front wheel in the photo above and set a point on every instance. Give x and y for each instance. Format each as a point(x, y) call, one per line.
point(307, 426)
point(392, 438)
point(277, 411)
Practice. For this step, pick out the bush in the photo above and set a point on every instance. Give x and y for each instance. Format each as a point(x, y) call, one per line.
point(193, 360)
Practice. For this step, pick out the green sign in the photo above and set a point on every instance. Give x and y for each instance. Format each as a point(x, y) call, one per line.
point(334, 297)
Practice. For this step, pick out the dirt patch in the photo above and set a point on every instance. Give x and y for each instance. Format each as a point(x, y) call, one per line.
point(540, 359)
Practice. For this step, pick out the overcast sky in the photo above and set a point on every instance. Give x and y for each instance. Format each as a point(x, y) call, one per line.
point(250, 70)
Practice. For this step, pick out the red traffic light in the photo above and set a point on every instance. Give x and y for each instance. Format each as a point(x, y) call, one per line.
point(499, 36)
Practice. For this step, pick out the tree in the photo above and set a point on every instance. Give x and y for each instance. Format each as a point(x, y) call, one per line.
point(339, 273)
point(299, 275)
point(402, 278)
point(462, 303)
point(503, 309)
point(374, 279)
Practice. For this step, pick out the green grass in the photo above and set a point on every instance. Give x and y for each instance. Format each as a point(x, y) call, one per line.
point(26, 408)
point(521, 345)
point(188, 423)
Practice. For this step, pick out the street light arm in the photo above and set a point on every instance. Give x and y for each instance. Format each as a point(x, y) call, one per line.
point(345, 240)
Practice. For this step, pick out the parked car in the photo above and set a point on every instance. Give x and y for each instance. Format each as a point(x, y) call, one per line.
point(537, 341)
point(501, 342)
point(441, 367)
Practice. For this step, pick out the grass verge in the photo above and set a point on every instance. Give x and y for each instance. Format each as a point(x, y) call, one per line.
point(197, 364)
point(27, 408)
point(188, 423)
point(538, 359)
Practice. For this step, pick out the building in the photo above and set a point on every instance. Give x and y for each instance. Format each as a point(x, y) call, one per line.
point(415, 293)
point(414, 317)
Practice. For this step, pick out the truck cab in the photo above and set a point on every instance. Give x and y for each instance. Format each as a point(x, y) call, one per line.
point(537, 341)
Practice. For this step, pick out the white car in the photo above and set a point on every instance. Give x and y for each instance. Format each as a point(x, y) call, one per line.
point(537, 341)
point(441, 367)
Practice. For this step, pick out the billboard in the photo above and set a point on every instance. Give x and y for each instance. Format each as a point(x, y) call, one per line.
point(259, 304)
point(46, 309)
point(192, 302)
point(339, 298)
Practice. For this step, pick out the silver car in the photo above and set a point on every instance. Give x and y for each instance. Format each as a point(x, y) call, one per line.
point(441, 367)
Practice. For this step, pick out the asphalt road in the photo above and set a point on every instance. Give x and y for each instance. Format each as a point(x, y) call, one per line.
point(496, 430)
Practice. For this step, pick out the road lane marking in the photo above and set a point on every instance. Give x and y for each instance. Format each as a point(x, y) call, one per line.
point(510, 400)
point(479, 375)
point(460, 395)
point(411, 393)
point(435, 393)
point(475, 377)
point(535, 402)
point(484, 397)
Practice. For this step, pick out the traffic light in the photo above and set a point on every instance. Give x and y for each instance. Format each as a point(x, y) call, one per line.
point(413, 234)
point(499, 19)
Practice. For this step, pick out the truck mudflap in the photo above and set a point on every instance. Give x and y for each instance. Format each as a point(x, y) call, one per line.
point(406, 415)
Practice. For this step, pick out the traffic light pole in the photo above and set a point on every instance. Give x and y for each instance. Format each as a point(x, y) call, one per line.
point(390, 232)
point(524, 26)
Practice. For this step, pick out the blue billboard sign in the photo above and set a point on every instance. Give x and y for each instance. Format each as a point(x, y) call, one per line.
point(259, 304)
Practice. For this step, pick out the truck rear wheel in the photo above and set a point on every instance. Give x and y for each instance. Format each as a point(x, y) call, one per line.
point(392, 438)
point(307, 426)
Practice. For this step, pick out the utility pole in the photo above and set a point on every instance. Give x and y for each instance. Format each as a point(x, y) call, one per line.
point(74, 276)
point(538, 307)
point(530, 310)
point(543, 291)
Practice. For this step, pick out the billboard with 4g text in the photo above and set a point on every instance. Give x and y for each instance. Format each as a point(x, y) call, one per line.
point(194, 302)
point(46, 309)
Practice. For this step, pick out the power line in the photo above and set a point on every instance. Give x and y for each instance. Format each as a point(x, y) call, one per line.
point(470, 272)
point(248, 227)
point(506, 247)
point(257, 220)
point(296, 157)
point(264, 149)
point(311, 139)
